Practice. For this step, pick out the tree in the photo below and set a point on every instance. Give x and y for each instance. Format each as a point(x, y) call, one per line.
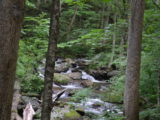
point(158, 89)
point(131, 99)
point(11, 15)
point(50, 60)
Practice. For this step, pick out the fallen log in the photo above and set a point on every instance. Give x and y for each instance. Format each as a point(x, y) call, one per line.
point(28, 112)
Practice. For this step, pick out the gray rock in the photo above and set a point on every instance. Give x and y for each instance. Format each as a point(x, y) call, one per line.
point(75, 75)
point(63, 67)
point(33, 100)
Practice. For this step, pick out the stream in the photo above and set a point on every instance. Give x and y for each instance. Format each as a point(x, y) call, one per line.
point(80, 79)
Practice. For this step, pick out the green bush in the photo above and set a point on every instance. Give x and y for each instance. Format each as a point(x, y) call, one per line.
point(81, 94)
point(32, 84)
point(150, 114)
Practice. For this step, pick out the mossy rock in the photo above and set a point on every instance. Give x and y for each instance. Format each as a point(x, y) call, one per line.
point(61, 79)
point(72, 115)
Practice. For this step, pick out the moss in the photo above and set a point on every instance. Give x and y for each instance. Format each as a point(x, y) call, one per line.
point(72, 115)
point(61, 79)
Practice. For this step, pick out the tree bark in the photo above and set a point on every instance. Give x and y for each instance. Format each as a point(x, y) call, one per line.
point(113, 42)
point(71, 23)
point(11, 15)
point(102, 17)
point(38, 3)
point(158, 89)
point(50, 60)
point(131, 99)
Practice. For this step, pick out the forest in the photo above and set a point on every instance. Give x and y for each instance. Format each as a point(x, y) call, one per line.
point(79, 60)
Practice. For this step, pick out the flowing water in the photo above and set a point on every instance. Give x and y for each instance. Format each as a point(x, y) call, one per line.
point(86, 76)
point(92, 105)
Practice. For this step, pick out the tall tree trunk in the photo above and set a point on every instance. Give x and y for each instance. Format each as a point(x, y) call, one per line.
point(131, 99)
point(71, 23)
point(50, 60)
point(102, 17)
point(45, 1)
point(38, 3)
point(11, 15)
point(122, 47)
point(113, 42)
point(158, 89)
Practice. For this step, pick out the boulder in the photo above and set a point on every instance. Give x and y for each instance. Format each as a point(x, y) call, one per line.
point(62, 67)
point(82, 63)
point(70, 61)
point(103, 73)
point(75, 75)
point(61, 79)
point(58, 113)
point(99, 74)
point(72, 115)
point(32, 100)
point(87, 83)
point(80, 111)
point(24, 100)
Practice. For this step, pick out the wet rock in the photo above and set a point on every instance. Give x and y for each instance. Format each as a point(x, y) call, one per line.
point(99, 74)
point(76, 69)
point(33, 100)
point(97, 105)
point(60, 60)
point(75, 75)
point(80, 111)
point(58, 113)
point(103, 73)
point(87, 83)
point(82, 63)
point(62, 67)
point(25, 100)
point(70, 61)
point(74, 65)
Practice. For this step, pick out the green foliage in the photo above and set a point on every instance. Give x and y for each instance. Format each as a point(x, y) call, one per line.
point(81, 94)
point(32, 84)
point(115, 92)
point(33, 47)
point(111, 116)
point(86, 45)
point(90, 39)
point(30, 4)
point(150, 114)
point(150, 56)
